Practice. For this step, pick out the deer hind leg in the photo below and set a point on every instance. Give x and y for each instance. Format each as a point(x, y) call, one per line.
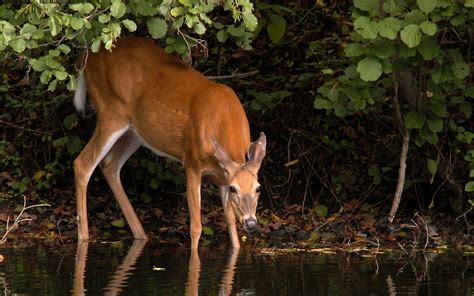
point(193, 192)
point(111, 166)
point(229, 217)
point(104, 137)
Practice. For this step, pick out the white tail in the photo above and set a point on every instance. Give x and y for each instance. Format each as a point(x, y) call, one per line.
point(144, 96)
point(80, 94)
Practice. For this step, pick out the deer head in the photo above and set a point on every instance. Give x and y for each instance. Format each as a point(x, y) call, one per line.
point(243, 188)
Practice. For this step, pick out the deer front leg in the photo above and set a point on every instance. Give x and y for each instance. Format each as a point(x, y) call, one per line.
point(229, 217)
point(193, 192)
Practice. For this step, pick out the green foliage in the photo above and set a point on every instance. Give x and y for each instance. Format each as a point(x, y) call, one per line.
point(43, 33)
point(403, 37)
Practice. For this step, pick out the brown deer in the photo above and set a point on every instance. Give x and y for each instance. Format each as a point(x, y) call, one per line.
point(146, 97)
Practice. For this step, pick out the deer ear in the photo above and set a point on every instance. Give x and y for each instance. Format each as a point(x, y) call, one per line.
point(256, 152)
point(225, 162)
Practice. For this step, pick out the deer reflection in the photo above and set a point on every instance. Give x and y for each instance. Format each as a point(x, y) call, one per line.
point(194, 271)
point(119, 278)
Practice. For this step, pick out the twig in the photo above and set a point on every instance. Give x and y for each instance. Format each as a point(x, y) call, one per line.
point(18, 219)
point(403, 155)
point(24, 128)
point(465, 213)
point(426, 229)
point(233, 76)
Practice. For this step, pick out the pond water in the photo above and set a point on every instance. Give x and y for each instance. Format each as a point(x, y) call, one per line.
point(152, 269)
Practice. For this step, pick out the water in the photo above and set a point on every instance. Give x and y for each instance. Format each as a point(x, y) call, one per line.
point(153, 269)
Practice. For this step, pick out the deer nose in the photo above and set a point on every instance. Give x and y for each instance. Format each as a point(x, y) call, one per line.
point(250, 224)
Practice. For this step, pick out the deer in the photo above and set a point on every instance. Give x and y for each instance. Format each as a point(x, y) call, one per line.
point(143, 96)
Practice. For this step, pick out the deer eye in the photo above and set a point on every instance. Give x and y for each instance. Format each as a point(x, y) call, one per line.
point(232, 189)
point(258, 189)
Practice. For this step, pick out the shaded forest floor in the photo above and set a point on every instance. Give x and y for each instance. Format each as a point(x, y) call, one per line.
point(291, 227)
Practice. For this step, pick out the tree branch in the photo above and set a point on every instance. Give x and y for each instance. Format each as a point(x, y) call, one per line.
point(403, 154)
point(233, 76)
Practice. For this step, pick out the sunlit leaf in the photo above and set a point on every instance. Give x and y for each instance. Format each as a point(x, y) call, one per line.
point(130, 25)
point(157, 27)
point(366, 28)
point(370, 69)
point(411, 35)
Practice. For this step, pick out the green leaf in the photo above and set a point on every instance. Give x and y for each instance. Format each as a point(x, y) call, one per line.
point(157, 27)
point(365, 28)
point(435, 125)
point(428, 135)
point(222, 35)
point(64, 48)
point(120, 223)
point(426, 6)
point(414, 120)
point(460, 69)
point(389, 27)
point(38, 65)
point(207, 231)
point(458, 20)
point(77, 23)
point(428, 28)
point(28, 29)
point(118, 9)
point(104, 18)
point(154, 183)
point(130, 25)
point(83, 8)
point(432, 166)
point(321, 103)
point(415, 16)
point(45, 76)
point(276, 28)
point(370, 69)
point(469, 3)
point(411, 35)
point(199, 28)
point(52, 85)
point(367, 5)
point(95, 45)
point(429, 48)
point(321, 210)
point(177, 11)
point(55, 25)
point(466, 109)
point(72, 84)
point(469, 186)
point(60, 75)
point(236, 32)
point(250, 21)
point(354, 50)
point(70, 121)
point(394, 7)
point(382, 51)
point(469, 92)
point(18, 45)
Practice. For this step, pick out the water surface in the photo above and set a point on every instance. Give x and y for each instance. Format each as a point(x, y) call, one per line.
point(140, 268)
